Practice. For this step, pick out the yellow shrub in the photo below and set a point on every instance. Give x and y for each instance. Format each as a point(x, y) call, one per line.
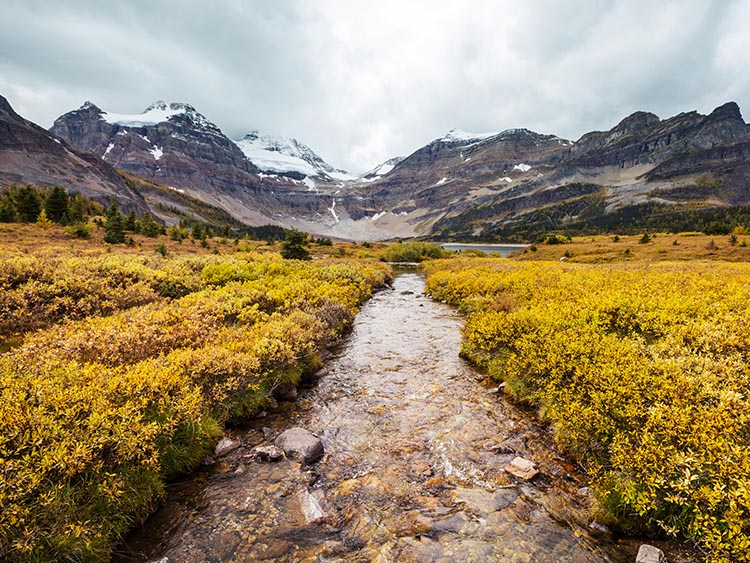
point(642, 370)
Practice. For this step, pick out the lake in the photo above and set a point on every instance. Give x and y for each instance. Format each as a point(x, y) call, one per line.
point(501, 249)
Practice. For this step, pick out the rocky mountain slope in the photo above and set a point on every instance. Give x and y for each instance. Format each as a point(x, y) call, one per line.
point(641, 166)
point(515, 183)
point(32, 155)
point(175, 145)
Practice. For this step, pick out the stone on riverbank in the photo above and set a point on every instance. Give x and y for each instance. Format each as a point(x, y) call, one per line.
point(301, 444)
point(522, 468)
point(650, 554)
point(225, 446)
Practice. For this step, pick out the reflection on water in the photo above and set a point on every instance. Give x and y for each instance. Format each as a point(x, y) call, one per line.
point(415, 447)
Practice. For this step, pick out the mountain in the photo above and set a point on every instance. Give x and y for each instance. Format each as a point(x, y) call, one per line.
point(619, 179)
point(510, 184)
point(175, 145)
point(288, 157)
point(172, 144)
point(32, 155)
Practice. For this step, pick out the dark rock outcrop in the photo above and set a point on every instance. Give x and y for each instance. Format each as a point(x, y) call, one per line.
point(32, 155)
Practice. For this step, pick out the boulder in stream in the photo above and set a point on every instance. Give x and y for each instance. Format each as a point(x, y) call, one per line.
point(522, 468)
point(650, 554)
point(301, 444)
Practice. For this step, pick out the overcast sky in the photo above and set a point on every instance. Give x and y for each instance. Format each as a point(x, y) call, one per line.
point(362, 81)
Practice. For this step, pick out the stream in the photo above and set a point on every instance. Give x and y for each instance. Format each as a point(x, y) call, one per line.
point(415, 448)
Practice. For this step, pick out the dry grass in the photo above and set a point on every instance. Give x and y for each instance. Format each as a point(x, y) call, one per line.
point(682, 246)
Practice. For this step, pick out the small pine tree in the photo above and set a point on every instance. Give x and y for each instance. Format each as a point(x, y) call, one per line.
point(129, 223)
point(295, 246)
point(28, 204)
point(42, 220)
point(7, 209)
point(77, 209)
point(148, 226)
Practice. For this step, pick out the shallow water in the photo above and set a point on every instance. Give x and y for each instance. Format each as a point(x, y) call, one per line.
point(411, 472)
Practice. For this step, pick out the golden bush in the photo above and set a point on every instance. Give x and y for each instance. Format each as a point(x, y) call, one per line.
point(642, 370)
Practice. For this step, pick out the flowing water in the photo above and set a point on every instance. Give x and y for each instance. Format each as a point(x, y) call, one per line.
point(413, 470)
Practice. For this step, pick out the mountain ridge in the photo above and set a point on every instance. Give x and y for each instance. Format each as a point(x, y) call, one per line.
point(460, 185)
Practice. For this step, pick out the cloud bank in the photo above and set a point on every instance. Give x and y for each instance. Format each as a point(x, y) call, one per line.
point(362, 81)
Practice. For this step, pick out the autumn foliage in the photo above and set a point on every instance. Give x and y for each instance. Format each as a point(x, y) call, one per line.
point(642, 371)
point(137, 365)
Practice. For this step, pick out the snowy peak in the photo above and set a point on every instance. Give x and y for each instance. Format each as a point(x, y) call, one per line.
point(281, 155)
point(384, 168)
point(459, 138)
point(457, 135)
point(159, 112)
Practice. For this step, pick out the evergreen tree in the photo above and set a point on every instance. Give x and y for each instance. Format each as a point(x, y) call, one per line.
point(114, 228)
point(28, 204)
point(295, 245)
point(56, 204)
point(7, 209)
point(148, 226)
point(77, 209)
point(130, 224)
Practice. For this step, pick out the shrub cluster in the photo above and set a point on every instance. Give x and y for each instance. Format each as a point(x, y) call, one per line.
point(642, 370)
point(37, 292)
point(96, 414)
point(413, 252)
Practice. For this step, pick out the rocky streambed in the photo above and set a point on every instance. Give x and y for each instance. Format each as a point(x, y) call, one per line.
point(421, 463)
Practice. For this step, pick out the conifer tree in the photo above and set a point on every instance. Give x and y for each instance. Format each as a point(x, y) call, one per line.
point(56, 204)
point(114, 228)
point(28, 204)
point(295, 245)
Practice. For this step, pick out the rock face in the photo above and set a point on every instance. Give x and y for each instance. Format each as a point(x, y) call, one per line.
point(301, 444)
point(650, 554)
point(31, 155)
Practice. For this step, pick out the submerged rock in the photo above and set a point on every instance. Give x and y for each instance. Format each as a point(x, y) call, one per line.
point(225, 446)
point(522, 468)
point(650, 554)
point(315, 507)
point(301, 444)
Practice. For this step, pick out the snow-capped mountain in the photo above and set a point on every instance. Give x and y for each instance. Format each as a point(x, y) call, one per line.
point(288, 157)
point(459, 185)
point(161, 112)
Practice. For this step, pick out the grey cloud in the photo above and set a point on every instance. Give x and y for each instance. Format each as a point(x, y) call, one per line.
point(361, 81)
